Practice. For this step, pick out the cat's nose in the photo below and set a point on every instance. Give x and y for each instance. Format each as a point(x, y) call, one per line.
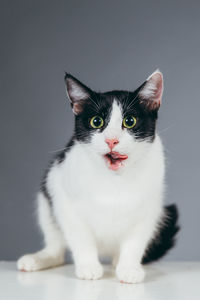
point(111, 143)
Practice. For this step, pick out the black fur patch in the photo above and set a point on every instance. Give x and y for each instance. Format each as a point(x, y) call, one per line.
point(165, 238)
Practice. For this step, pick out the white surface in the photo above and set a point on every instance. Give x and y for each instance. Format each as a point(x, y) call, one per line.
point(164, 280)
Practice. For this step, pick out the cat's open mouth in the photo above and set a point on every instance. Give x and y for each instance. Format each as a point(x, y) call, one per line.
point(114, 160)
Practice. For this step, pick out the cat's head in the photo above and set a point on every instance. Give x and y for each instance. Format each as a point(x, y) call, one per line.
point(118, 126)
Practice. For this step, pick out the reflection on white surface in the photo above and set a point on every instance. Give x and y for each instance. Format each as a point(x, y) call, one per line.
point(61, 282)
point(164, 281)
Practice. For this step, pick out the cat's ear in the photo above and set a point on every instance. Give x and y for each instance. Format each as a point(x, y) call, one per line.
point(77, 93)
point(151, 92)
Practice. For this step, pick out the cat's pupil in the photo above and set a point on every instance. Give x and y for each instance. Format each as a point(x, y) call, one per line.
point(129, 121)
point(97, 121)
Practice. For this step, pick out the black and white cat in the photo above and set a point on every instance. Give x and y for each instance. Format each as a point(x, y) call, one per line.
point(103, 195)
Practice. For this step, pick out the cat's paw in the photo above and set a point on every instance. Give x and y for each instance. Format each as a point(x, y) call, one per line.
point(29, 263)
point(89, 271)
point(130, 274)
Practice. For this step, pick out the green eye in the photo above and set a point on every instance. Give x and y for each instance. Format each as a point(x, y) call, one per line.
point(129, 122)
point(96, 122)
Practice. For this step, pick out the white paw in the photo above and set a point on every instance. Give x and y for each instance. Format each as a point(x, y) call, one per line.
point(29, 262)
point(89, 271)
point(134, 274)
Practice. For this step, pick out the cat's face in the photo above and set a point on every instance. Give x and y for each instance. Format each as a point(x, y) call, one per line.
point(118, 126)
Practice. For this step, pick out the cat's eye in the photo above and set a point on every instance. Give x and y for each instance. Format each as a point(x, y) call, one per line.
point(96, 122)
point(129, 122)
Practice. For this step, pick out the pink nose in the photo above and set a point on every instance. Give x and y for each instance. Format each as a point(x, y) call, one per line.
point(112, 143)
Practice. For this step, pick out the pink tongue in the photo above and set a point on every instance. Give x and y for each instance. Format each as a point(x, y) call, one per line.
point(116, 155)
point(117, 163)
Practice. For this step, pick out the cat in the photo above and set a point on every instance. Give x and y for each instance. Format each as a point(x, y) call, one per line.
point(103, 194)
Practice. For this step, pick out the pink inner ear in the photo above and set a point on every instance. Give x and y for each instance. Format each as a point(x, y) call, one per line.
point(153, 89)
point(157, 80)
point(77, 108)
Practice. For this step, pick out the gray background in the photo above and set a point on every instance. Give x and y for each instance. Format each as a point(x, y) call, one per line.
point(108, 45)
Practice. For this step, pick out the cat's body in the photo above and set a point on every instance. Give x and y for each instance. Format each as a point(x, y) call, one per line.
point(103, 195)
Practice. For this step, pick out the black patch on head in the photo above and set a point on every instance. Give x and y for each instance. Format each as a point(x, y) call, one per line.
point(130, 102)
point(100, 104)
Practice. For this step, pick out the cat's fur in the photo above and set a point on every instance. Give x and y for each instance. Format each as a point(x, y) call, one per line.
point(93, 209)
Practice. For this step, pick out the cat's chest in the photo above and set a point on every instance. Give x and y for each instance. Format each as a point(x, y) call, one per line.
point(109, 211)
point(101, 188)
point(107, 202)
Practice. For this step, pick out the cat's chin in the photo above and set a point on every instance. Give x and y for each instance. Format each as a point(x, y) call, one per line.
point(114, 160)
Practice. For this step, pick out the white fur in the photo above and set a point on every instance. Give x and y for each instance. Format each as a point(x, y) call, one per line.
point(100, 211)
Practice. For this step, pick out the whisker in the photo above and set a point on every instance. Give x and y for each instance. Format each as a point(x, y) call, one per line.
point(54, 151)
point(133, 101)
point(165, 129)
point(96, 104)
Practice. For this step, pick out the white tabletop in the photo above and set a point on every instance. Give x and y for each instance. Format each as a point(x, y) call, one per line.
point(164, 280)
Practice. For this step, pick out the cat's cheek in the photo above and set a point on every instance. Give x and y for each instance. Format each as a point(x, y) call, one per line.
point(98, 143)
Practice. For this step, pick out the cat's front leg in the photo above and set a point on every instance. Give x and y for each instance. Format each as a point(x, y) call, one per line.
point(75, 229)
point(81, 243)
point(133, 246)
point(85, 256)
point(84, 249)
